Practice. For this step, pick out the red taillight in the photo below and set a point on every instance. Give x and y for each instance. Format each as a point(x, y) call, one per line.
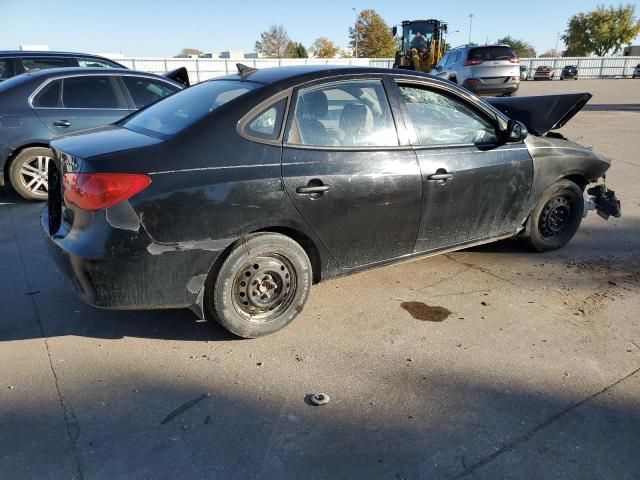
point(472, 81)
point(94, 191)
point(470, 62)
point(514, 59)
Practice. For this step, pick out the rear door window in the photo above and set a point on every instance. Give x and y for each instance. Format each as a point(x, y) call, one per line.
point(491, 53)
point(89, 92)
point(349, 114)
point(145, 91)
point(31, 64)
point(6, 68)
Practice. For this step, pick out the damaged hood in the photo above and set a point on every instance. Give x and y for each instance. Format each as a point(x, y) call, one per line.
point(543, 113)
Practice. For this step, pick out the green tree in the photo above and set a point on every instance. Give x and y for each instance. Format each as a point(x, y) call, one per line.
point(273, 42)
point(296, 50)
point(602, 31)
point(520, 47)
point(324, 48)
point(372, 36)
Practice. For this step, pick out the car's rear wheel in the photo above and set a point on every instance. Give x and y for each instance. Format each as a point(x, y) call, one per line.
point(261, 286)
point(556, 218)
point(28, 173)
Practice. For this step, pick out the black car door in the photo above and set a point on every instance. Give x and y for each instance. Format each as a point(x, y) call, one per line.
point(473, 189)
point(79, 102)
point(347, 174)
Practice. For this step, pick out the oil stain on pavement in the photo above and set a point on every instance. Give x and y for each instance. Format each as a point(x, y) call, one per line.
point(422, 311)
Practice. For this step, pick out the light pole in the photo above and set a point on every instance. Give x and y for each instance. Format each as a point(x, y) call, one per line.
point(446, 38)
point(470, 24)
point(557, 40)
point(356, 29)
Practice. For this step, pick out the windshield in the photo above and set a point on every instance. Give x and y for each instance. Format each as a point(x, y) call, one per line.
point(418, 35)
point(175, 113)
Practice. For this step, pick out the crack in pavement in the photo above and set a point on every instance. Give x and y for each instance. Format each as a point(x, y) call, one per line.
point(531, 433)
point(69, 417)
point(481, 269)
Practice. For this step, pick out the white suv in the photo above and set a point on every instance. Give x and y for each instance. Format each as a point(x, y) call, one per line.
point(483, 69)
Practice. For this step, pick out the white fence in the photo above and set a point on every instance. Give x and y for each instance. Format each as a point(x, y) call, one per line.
point(204, 68)
point(588, 67)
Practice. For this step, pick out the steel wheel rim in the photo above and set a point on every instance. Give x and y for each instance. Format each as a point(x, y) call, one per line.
point(264, 287)
point(33, 174)
point(557, 216)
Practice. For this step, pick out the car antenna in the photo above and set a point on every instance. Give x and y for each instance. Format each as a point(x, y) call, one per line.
point(244, 70)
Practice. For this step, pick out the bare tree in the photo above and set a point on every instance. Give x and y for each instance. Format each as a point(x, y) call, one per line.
point(273, 42)
point(187, 52)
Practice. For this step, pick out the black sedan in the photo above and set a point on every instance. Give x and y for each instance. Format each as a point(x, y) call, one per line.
point(234, 196)
point(36, 107)
point(569, 72)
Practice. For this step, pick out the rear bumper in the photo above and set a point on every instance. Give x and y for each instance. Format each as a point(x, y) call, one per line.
point(481, 88)
point(121, 276)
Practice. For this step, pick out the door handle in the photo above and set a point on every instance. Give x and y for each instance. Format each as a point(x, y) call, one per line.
point(313, 189)
point(440, 176)
point(62, 123)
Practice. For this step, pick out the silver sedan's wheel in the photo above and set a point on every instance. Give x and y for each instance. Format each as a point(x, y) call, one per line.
point(29, 172)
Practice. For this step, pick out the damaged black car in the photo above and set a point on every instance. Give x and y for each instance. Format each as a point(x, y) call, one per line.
point(234, 196)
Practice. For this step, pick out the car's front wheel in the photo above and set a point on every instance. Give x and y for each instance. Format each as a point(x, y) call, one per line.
point(261, 286)
point(556, 218)
point(28, 173)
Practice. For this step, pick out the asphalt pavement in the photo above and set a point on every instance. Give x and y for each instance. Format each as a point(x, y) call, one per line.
point(521, 365)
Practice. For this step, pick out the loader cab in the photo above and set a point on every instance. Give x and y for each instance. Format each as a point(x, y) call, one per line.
point(420, 44)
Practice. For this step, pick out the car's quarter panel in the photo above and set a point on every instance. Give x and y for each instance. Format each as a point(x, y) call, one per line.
point(484, 198)
point(557, 158)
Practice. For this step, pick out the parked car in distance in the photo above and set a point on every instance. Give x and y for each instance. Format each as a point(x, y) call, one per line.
point(14, 63)
point(38, 106)
point(523, 72)
point(233, 196)
point(482, 69)
point(17, 62)
point(568, 72)
point(543, 72)
point(636, 72)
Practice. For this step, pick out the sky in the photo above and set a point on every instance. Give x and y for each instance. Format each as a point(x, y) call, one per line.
point(163, 27)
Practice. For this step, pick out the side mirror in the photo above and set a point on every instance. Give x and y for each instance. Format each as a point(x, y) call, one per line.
point(394, 31)
point(516, 131)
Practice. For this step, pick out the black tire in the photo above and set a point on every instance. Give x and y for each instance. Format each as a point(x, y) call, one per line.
point(261, 286)
point(28, 170)
point(556, 218)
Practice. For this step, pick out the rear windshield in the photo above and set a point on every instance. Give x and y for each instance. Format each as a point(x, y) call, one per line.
point(175, 113)
point(491, 53)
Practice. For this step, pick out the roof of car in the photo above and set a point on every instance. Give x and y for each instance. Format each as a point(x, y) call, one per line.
point(46, 53)
point(298, 72)
point(49, 72)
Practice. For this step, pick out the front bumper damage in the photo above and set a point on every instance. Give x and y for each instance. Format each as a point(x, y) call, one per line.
point(603, 201)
